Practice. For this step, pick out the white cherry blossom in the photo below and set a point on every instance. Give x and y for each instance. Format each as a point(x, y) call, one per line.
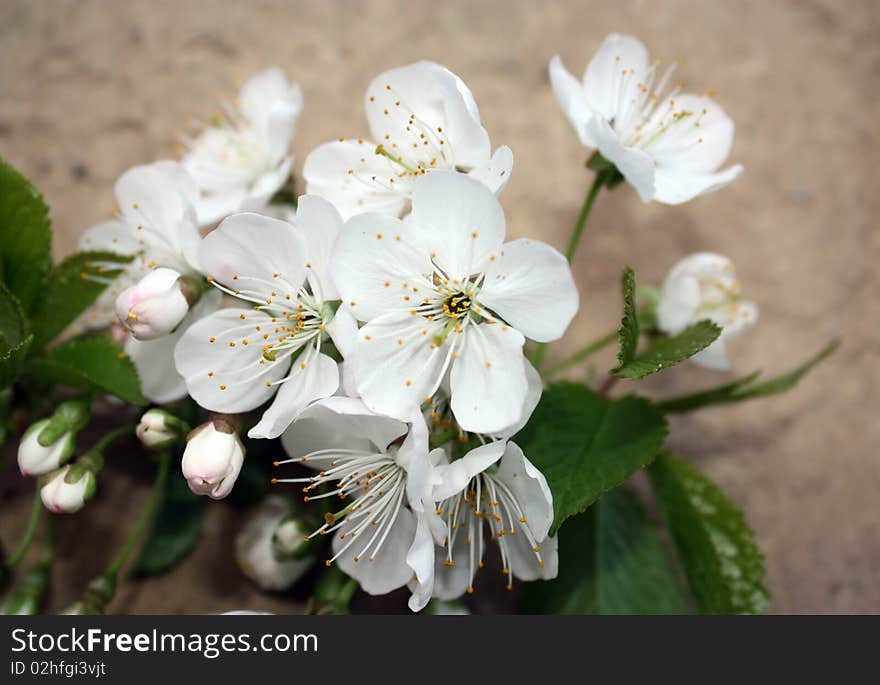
point(668, 144)
point(443, 293)
point(422, 117)
point(237, 359)
point(156, 226)
point(382, 473)
point(704, 286)
point(509, 502)
point(242, 159)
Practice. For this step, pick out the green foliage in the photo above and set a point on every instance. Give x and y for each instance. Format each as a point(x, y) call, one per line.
point(669, 351)
point(72, 287)
point(175, 530)
point(96, 363)
point(628, 333)
point(665, 351)
point(611, 562)
point(585, 444)
point(745, 388)
point(25, 236)
point(724, 567)
point(14, 339)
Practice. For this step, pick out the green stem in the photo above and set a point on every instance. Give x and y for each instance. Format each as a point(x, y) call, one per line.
point(345, 594)
point(109, 437)
point(30, 531)
point(581, 354)
point(144, 518)
point(577, 232)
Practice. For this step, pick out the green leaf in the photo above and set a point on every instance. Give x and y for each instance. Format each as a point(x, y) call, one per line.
point(612, 562)
point(669, 351)
point(628, 333)
point(724, 567)
point(94, 362)
point(585, 444)
point(14, 340)
point(25, 235)
point(745, 388)
point(174, 532)
point(73, 286)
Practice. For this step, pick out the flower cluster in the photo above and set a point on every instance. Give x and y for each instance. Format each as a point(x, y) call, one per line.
point(378, 326)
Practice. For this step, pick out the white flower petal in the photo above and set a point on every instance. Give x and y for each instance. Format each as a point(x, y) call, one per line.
point(262, 94)
point(572, 99)
point(713, 357)
point(636, 165)
point(531, 287)
point(698, 141)
point(320, 224)
point(240, 369)
point(247, 250)
point(156, 203)
point(110, 236)
point(343, 331)
point(489, 384)
point(340, 422)
point(468, 140)
point(416, 88)
point(605, 83)
point(397, 364)
point(420, 558)
point(529, 488)
point(451, 582)
point(460, 219)
point(314, 376)
point(523, 562)
point(375, 263)
point(496, 172)
point(533, 396)
point(675, 187)
point(455, 476)
point(366, 189)
point(678, 303)
point(389, 569)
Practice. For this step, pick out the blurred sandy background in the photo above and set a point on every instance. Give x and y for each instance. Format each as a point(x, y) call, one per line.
point(89, 88)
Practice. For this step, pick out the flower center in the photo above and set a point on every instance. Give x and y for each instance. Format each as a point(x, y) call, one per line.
point(374, 485)
point(486, 499)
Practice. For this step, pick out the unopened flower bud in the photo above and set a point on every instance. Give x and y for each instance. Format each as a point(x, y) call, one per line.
point(37, 457)
point(212, 459)
point(66, 490)
point(158, 429)
point(155, 305)
point(255, 553)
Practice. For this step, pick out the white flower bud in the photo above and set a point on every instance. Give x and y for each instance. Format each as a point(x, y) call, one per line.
point(154, 306)
point(254, 548)
point(35, 459)
point(64, 495)
point(212, 459)
point(158, 429)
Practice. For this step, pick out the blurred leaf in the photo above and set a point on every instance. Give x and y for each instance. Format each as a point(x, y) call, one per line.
point(93, 362)
point(25, 236)
point(175, 530)
point(73, 286)
point(612, 562)
point(585, 444)
point(724, 567)
point(14, 340)
point(745, 388)
point(628, 333)
point(669, 351)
